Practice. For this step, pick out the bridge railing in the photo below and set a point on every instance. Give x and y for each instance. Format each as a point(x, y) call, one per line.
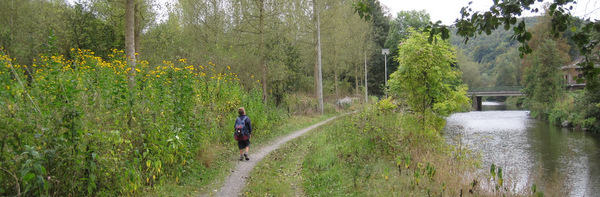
point(495, 89)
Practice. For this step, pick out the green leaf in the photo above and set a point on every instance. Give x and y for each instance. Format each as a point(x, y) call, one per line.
point(28, 177)
point(527, 36)
point(499, 172)
point(40, 168)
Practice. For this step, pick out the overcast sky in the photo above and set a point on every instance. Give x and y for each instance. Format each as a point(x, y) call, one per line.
point(449, 10)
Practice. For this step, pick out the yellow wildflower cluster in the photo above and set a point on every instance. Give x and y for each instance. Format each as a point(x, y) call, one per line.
point(85, 65)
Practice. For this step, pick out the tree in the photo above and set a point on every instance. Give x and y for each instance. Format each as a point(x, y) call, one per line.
point(29, 28)
point(372, 11)
point(542, 78)
point(318, 68)
point(472, 75)
point(543, 81)
point(405, 20)
point(164, 41)
point(431, 87)
point(507, 69)
point(399, 31)
point(85, 30)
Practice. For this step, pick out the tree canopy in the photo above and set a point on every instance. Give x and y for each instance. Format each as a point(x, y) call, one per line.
point(427, 81)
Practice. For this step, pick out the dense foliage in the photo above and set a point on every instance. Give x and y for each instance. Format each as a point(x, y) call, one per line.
point(265, 39)
point(74, 127)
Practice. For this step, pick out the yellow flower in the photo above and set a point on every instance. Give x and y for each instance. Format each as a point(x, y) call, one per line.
point(228, 68)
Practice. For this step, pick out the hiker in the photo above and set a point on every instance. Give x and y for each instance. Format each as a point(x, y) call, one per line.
point(243, 129)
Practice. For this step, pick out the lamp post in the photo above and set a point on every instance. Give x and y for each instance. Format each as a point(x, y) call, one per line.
point(385, 52)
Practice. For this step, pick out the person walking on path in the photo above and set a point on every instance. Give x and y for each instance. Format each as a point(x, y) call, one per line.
point(243, 123)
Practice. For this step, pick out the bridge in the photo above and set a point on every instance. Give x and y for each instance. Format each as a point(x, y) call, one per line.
point(477, 92)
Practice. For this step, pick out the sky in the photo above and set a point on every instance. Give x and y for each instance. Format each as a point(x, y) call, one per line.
point(449, 10)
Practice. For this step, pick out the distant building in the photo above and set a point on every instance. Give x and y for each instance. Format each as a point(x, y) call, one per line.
point(571, 73)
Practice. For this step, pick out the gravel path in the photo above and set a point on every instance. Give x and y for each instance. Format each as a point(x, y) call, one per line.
point(237, 179)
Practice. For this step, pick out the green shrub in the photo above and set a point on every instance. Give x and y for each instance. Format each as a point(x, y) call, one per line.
point(386, 105)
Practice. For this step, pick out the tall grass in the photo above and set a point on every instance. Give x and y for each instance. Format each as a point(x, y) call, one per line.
point(74, 127)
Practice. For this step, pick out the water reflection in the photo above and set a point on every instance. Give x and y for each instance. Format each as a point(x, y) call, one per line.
point(530, 150)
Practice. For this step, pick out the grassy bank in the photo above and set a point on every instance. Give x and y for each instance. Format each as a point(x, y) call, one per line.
point(367, 153)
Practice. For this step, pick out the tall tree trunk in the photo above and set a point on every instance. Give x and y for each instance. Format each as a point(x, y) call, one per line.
point(335, 71)
point(356, 79)
point(130, 51)
point(335, 77)
point(316, 70)
point(319, 76)
point(130, 39)
point(261, 49)
point(137, 30)
point(12, 27)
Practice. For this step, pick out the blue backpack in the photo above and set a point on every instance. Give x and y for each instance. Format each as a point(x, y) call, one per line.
point(241, 132)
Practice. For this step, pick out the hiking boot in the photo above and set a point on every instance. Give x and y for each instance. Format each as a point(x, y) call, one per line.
point(242, 158)
point(246, 155)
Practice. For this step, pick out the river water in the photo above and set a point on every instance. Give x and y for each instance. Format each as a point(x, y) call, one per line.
point(529, 151)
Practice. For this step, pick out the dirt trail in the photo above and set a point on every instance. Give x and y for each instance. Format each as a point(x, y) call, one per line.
point(236, 181)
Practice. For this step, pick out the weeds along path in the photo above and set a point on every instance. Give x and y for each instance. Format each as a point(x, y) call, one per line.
point(236, 181)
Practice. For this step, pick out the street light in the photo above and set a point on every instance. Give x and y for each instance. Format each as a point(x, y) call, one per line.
point(385, 52)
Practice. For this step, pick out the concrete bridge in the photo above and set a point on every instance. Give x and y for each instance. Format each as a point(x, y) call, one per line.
point(476, 93)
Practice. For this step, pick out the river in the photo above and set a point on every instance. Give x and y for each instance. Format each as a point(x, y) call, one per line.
point(529, 151)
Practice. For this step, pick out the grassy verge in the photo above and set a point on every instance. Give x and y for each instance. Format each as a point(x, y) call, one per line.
point(203, 178)
point(364, 154)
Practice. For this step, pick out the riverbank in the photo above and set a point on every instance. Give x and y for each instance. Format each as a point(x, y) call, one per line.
point(369, 154)
point(568, 111)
